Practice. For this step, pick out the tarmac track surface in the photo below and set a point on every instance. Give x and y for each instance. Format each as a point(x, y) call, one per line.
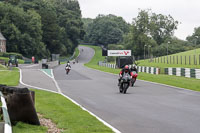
point(146, 108)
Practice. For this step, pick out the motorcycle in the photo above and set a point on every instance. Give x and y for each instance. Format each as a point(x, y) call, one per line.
point(134, 77)
point(124, 83)
point(68, 68)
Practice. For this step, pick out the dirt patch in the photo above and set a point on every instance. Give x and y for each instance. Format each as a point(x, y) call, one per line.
point(49, 124)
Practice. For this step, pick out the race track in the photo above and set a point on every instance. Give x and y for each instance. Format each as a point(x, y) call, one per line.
point(146, 108)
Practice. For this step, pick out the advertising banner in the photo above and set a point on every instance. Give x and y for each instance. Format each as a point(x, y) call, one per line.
point(119, 52)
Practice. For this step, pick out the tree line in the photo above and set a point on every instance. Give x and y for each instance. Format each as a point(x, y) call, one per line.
point(41, 27)
point(149, 33)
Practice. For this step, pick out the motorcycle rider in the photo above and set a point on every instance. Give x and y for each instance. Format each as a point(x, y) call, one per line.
point(124, 70)
point(68, 66)
point(134, 68)
point(134, 71)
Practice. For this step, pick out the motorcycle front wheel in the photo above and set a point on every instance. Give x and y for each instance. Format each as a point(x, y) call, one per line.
point(125, 87)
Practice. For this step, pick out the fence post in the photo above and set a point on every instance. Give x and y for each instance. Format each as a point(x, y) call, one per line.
point(181, 59)
point(158, 59)
point(173, 59)
point(194, 60)
point(161, 59)
point(177, 59)
point(185, 60)
point(164, 59)
point(170, 59)
point(199, 59)
point(189, 59)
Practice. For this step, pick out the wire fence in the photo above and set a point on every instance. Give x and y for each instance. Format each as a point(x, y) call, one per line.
point(177, 59)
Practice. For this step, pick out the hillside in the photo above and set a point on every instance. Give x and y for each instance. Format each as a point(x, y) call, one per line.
point(183, 59)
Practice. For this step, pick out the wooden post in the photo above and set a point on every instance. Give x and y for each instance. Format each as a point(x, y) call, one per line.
point(189, 59)
point(181, 59)
point(199, 59)
point(185, 60)
point(164, 59)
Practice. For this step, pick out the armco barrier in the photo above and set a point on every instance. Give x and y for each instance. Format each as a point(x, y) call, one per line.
point(185, 72)
point(7, 124)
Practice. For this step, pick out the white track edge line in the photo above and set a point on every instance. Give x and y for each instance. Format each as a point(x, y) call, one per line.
point(57, 86)
point(105, 123)
point(46, 73)
point(21, 82)
point(101, 120)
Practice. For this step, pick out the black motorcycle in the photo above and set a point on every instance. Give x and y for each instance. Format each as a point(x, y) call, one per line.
point(124, 83)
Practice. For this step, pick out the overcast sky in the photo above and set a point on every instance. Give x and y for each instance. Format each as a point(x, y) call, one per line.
point(185, 11)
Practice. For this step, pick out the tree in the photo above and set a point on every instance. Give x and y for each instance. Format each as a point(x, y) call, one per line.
point(106, 30)
point(195, 38)
point(149, 30)
point(162, 27)
point(41, 27)
point(22, 30)
point(86, 23)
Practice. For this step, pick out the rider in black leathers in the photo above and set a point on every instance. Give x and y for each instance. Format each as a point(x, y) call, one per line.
point(124, 70)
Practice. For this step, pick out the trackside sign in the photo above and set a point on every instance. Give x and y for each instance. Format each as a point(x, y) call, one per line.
point(119, 52)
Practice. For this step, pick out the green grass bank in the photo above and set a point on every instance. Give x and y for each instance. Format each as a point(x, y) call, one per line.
point(9, 77)
point(183, 59)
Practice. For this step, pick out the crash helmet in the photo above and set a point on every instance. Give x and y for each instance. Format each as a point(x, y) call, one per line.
point(126, 68)
point(133, 66)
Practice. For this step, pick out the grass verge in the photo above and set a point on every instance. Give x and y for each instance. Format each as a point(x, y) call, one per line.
point(67, 116)
point(21, 127)
point(188, 83)
point(76, 53)
point(9, 77)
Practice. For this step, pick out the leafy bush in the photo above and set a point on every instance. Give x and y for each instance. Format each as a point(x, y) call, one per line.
point(19, 56)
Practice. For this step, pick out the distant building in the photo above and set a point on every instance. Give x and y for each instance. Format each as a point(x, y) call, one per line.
point(2, 43)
